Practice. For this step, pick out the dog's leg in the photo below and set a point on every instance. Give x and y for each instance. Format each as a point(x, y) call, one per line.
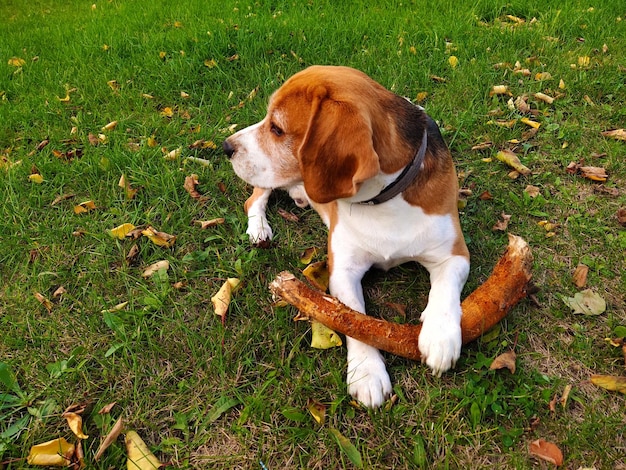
point(367, 377)
point(259, 229)
point(440, 338)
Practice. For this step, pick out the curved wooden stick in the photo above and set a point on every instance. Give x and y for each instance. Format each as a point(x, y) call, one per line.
point(482, 309)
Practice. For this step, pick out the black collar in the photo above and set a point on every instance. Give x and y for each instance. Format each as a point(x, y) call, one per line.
point(403, 180)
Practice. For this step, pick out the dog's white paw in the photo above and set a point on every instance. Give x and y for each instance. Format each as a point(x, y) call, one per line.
point(368, 380)
point(259, 229)
point(440, 344)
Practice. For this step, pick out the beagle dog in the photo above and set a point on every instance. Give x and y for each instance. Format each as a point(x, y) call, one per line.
point(376, 169)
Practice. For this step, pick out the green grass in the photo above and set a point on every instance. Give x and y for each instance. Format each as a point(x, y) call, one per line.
point(204, 395)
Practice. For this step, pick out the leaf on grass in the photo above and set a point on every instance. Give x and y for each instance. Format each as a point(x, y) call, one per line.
point(172, 155)
point(609, 382)
point(121, 231)
point(323, 337)
point(348, 448)
point(221, 406)
point(307, 255)
point(154, 267)
point(221, 300)
point(502, 225)
point(35, 178)
point(55, 453)
point(500, 90)
point(619, 134)
point(453, 61)
point(532, 191)
point(580, 275)
point(318, 275)
point(84, 207)
point(621, 216)
point(110, 438)
point(586, 302)
point(75, 422)
point(125, 184)
point(593, 173)
point(159, 238)
point(504, 361)
point(110, 126)
point(545, 98)
point(509, 157)
point(43, 301)
point(190, 184)
point(541, 76)
point(16, 62)
point(106, 409)
point(288, 215)
point(204, 224)
point(546, 451)
point(531, 123)
point(139, 456)
point(317, 410)
point(61, 198)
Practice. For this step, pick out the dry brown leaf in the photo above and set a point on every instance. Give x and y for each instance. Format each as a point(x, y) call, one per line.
point(59, 292)
point(61, 198)
point(545, 98)
point(532, 191)
point(580, 276)
point(154, 267)
point(288, 215)
point(505, 361)
point(43, 301)
point(110, 438)
point(107, 408)
point(619, 134)
point(566, 391)
point(125, 184)
point(221, 300)
point(191, 182)
point(503, 224)
point(204, 224)
point(84, 207)
point(483, 146)
point(55, 453)
point(593, 173)
point(621, 216)
point(546, 451)
point(610, 382)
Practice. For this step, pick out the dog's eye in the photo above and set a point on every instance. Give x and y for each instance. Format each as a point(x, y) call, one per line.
point(276, 130)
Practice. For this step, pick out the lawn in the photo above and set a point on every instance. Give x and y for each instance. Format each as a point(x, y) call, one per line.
point(91, 92)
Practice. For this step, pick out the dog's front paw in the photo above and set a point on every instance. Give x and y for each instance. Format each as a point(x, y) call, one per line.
point(440, 344)
point(368, 381)
point(259, 229)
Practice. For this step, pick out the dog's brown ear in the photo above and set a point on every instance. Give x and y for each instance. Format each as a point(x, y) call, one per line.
point(337, 153)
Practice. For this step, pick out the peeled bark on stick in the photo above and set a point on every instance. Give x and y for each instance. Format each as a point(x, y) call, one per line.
point(482, 309)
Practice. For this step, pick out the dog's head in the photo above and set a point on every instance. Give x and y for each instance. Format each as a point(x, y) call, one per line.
point(318, 131)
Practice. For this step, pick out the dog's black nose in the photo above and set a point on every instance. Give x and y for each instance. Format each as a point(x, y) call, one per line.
point(228, 148)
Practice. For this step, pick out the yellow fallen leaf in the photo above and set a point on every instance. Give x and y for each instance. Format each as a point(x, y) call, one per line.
point(500, 90)
point(221, 300)
point(173, 155)
point(609, 382)
point(55, 453)
point(75, 422)
point(561, 84)
point(584, 61)
point(110, 438)
point(323, 337)
point(152, 142)
point(184, 94)
point(543, 76)
point(113, 85)
point(159, 238)
point(545, 98)
point(318, 275)
point(139, 456)
point(85, 206)
point(116, 308)
point(125, 184)
point(110, 126)
point(453, 61)
point(121, 231)
point(307, 256)
point(531, 123)
point(421, 96)
point(508, 157)
point(36, 178)
point(167, 112)
point(154, 267)
point(16, 62)
point(317, 410)
point(210, 63)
